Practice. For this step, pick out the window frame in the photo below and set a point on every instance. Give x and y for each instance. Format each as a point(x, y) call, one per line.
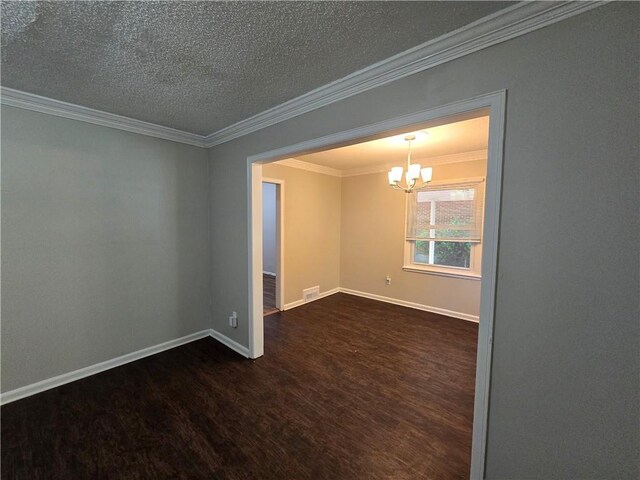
point(474, 272)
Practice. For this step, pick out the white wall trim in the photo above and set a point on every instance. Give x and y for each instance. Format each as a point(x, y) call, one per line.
point(310, 167)
point(255, 265)
point(232, 344)
point(59, 380)
point(417, 306)
point(297, 303)
point(470, 156)
point(271, 274)
point(511, 22)
point(394, 301)
point(506, 24)
point(369, 169)
point(53, 382)
point(439, 271)
point(49, 106)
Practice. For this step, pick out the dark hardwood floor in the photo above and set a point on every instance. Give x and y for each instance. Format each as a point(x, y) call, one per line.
point(349, 388)
point(269, 294)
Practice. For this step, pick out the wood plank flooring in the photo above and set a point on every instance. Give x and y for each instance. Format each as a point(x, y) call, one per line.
point(269, 294)
point(349, 388)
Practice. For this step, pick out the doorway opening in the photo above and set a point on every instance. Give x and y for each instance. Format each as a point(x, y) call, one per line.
point(272, 245)
point(485, 262)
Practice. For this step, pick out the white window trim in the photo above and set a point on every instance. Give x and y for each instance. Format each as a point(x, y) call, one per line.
point(441, 271)
point(471, 273)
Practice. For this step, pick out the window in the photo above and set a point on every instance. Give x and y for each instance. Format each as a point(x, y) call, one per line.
point(444, 228)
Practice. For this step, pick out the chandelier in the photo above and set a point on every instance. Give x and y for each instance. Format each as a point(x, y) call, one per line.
point(415, 177)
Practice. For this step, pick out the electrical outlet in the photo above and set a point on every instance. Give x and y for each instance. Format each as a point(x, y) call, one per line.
point(388, 280)
point(233, 320)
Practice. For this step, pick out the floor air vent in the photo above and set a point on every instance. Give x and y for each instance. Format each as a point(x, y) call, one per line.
point(312, 293)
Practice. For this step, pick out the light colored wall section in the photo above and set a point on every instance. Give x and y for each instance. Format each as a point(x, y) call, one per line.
point(269, 227)
point(312, 229)
point(564, 387)
point(104, 244)
point(372, 240)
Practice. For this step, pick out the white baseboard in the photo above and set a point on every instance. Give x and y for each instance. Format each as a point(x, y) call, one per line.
point(271, 274)
point(65, 378)
point(53, 382)
point(395, 301)
point(232, 344)
point(417, 306)
point(297, 303)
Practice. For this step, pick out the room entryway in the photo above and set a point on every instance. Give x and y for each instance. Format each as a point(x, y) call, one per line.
point(269, 293)
point(272, 270)
point(483, 268)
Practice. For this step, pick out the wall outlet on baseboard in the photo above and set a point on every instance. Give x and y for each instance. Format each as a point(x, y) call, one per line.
point(233, 320)
point(388, 280)
point(311, 293)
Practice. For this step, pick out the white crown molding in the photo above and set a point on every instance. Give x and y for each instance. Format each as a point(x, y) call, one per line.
point(354, 172)
point(469, 156)
point(310, 167)
point(506, 24)
point(424, 161)
point(30, 101)
point(369, 169)
point(511, 22)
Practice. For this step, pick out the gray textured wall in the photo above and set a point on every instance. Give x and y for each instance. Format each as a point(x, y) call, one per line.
point(104, 244)
point(564, 393)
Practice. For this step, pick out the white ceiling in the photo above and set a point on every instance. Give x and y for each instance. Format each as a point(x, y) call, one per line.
point(201, 66)
point(454, 142)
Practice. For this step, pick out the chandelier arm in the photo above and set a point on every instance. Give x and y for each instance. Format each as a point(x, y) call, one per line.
point(422, 185)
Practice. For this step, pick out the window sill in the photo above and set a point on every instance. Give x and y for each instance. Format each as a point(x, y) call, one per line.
point(443, 272)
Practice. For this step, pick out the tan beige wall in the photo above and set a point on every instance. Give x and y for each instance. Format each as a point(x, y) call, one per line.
point(372, 244)
point(312, 229)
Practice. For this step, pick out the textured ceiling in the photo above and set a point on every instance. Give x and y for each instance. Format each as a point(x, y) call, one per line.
point(201, 66)
point(450, 139)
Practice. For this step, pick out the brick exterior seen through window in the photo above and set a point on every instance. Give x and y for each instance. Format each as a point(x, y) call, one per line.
point(447, 212)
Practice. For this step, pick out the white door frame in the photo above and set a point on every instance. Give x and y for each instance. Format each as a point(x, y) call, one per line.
point(279, 239)
point(495, 103)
